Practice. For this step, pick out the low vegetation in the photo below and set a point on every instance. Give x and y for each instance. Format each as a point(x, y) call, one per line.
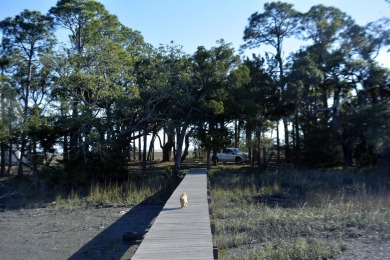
point(295, 214)
point(154, 187)
point(151, 191)
point(285, 214)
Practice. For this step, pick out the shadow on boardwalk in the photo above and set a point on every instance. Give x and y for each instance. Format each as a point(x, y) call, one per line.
point(109, 244)
point(181, 233)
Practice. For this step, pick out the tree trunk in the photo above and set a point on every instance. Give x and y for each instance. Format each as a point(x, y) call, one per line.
point(258, 146)
point(249, 145)
point(65, 147)
point(297, 141)
point(22, 153)
point(151, 148)
point(277, 143)
point(167, 149)
point(187, 145)
point(143, 162)
point(139, 148)
point(208, 159)
point(73, 134)
point(181, 133)
point(3, 144)
point(236, 133)
point(25, 113)
point(167, 146)
point(264, 162)
point(9, 157)
point(2, 156)
point(347, 152)
point(286, 140)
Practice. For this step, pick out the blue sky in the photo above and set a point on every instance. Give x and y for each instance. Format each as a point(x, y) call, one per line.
point(202, 22)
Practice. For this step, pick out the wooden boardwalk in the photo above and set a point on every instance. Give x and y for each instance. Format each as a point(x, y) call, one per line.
point(181, 233)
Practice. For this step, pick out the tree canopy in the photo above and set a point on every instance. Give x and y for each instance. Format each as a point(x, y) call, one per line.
point(92, 99)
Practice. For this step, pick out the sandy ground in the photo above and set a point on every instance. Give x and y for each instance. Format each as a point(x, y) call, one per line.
point(366, 248)
point(96, 233)
point(48, 233)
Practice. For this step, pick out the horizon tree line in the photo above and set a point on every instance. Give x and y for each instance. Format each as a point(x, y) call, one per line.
point(106, 88)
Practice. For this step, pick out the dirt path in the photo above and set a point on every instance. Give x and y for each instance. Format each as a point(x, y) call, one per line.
point(48, 233)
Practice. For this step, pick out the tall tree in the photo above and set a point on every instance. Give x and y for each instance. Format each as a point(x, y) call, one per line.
point(218, 75)
point(278, 22)
point(29, 36)
point(5, 120)
point(169, 96)
point(343, 54)
point(98, 80)
point(79, 17)
point(258, 97)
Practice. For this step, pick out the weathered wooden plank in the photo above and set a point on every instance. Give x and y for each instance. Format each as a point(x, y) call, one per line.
point(181, 233)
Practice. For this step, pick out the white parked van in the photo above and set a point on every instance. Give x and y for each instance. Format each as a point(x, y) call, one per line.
point(230, 155)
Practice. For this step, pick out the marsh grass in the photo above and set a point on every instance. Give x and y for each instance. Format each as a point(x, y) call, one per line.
point(151, 190)
point(297, 214)
point(155, 187)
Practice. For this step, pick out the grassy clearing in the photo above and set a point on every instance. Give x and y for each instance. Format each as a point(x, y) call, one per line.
point(297, 214)
point(116, 194)
point(153, 188)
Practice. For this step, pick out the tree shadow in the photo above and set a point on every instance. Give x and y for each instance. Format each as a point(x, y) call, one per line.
point(110, 244)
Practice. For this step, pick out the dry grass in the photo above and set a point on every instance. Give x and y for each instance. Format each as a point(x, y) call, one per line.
point(113, 194)
point(297, 215)
point(55, 187)
point(154, 187)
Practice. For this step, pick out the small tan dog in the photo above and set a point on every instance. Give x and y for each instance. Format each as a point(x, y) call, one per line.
point(183, 199)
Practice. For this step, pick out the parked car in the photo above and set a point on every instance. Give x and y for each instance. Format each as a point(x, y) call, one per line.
point(230, 155)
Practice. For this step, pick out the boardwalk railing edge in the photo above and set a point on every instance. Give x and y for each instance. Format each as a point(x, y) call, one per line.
point(211, 215)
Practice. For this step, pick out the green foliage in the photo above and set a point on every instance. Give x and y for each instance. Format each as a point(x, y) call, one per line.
point(94, 97)
point(374, 139)
point(319, 148)
point(262, 29)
